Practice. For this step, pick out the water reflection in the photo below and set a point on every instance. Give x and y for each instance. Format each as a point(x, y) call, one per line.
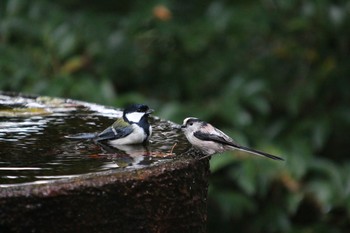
point(122, 156)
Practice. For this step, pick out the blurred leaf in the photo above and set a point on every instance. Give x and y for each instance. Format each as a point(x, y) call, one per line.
point(74, 64)
point(233, 204)
point(221, 161)
point(246, 177)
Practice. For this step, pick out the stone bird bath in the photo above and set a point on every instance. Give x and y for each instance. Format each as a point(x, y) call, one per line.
point(52, 184)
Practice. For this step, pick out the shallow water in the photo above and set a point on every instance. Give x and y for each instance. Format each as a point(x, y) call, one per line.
point(34, 147)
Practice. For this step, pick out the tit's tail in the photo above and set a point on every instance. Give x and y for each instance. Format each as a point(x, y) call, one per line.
point(256, 152)
point(81, 136)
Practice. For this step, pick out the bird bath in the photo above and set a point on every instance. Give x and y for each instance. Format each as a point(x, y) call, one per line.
point(49, 183)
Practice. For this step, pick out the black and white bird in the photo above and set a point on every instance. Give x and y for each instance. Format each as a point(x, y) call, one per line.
point(132, 128)
point(211, 140)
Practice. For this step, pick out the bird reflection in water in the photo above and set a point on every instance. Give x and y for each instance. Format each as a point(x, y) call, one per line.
point(133, 156)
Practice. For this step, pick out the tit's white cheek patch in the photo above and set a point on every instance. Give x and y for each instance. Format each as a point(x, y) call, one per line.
point(135, 116)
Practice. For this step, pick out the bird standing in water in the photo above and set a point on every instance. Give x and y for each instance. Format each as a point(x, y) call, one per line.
point(132, 128)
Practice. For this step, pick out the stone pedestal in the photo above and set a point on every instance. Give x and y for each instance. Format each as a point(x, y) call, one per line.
point(170, 197)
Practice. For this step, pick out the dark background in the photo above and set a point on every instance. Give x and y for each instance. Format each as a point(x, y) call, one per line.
point(274, 75)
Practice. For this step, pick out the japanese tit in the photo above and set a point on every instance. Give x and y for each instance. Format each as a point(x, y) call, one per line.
point(211, 140)
point(131, 128)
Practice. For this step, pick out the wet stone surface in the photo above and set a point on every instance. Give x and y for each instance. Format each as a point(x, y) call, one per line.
point(34, 149)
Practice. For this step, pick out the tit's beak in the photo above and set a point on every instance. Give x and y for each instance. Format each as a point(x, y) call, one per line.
point(149, 111)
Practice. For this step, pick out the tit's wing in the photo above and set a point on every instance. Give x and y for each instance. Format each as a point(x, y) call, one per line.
point(119, 129)
point(223, 140)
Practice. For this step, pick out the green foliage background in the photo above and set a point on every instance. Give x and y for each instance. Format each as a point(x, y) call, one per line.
point(272, 74)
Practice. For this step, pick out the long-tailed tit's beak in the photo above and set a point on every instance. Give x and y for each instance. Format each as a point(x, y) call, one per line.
point(177, 126)
point(149, 111)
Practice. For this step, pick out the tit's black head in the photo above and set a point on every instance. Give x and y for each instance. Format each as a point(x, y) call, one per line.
point(142, 108)
point(137, 113)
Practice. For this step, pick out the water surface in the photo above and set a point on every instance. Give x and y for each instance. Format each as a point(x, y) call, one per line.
point(34, 147)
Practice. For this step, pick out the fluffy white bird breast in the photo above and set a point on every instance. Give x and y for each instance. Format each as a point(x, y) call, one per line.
point(137, 136)
point(207, 147)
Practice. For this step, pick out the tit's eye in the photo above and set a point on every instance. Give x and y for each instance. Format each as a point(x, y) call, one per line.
point(191, 123)
point(142, 109)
